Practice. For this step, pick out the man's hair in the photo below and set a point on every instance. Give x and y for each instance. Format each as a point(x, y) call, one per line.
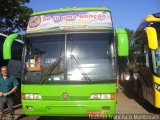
point(4, 67)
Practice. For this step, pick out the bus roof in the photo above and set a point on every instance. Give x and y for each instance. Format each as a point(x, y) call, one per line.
point(69, 10)
point(153, 17)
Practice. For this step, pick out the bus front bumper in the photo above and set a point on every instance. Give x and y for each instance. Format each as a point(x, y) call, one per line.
point(69, 108)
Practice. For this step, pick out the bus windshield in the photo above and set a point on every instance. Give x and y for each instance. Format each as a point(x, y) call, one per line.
point(71, 57)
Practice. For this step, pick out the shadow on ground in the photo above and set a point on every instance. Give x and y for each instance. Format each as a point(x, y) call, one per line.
point(126, 89)
point(57, 118)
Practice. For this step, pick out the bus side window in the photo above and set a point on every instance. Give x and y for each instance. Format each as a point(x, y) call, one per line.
point(17, 51)
point(145, 49)
point(146, 55)
point(2, 38)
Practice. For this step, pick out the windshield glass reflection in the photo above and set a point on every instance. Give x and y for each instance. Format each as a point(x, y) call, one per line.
point(87, 57)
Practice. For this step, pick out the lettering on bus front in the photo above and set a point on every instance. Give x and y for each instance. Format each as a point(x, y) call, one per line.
point(73, 20)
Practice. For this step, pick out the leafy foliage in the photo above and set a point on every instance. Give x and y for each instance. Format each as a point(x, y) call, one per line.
point(130, 33)
point(14, 15)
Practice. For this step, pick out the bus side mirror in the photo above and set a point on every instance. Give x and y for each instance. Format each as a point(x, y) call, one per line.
point(7, 45)
point(152, 37)
point(122, 38)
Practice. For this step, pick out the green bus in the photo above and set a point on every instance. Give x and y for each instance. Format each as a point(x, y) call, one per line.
point(70, 63)
point(16, 51)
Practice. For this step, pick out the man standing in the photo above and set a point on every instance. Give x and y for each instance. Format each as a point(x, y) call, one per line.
point(8, 85)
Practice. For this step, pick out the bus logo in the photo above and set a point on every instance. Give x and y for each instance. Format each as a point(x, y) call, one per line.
point(65, 96)
point(34, 21)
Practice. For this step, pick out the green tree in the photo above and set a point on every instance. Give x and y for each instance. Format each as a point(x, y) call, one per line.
point(130, 33)
point(14, 16)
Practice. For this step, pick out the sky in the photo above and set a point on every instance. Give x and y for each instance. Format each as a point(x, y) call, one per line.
point(125, 13)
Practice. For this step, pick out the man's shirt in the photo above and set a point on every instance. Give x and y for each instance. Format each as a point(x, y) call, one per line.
point(7, 84)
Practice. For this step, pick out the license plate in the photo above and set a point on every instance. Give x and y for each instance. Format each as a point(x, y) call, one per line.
point(96, 115)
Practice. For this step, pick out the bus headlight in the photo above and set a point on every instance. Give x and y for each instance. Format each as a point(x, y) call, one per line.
point(31, 96)
point(103, 96)
point(157, 86)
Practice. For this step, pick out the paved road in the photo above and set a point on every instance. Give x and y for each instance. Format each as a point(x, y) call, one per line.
point(126, 104)
point(130, 104)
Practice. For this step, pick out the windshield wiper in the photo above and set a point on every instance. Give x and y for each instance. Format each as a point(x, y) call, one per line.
point(54, 65)
point(80, 69)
